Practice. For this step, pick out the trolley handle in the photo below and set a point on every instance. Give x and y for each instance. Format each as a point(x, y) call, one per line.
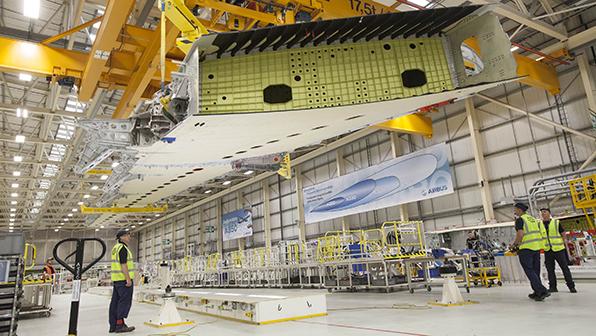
point(79, 241)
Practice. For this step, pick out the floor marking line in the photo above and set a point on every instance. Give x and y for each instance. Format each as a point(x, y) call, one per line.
point(361, 328)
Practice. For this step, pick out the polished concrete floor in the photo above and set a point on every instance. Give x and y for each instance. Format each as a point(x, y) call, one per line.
point(500, 311)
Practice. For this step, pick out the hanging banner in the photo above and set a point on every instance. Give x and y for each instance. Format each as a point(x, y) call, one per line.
point(237, 224)
point(421, 175)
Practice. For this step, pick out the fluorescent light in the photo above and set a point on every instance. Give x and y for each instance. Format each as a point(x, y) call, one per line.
point(31, 8)
point(103, 177)
point(65, 219)
point(14, 195)
point(13, 202)
point(148, 219)
point(25, 77)
point(227, 182)
point(18, 158)
point(127, 229)
point(248, 172)
point(11, 231)
point(69, 215)
point(101, 226)
point(19, 138)
point(16, 173)
point(22, 113)
point(208, 191)
point(13, 210)
point(540, 58)
point(157, 215)
point(14, 185)
point(422, 3)
point(96, 230)
point(12, 220)
point(140, 223)
point(13, 215)
point(133, 226)
point(86, 196)
point(56, 230)
point(80, 203)
point(94, 187)
point(115, 164)
point(514, 48)
point(75, 210)
point(92, 37)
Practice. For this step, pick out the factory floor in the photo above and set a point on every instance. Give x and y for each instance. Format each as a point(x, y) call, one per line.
point(501, 311)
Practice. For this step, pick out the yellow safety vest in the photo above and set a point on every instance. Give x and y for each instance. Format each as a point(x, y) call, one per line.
point(534, 234)
point(117, 274)
point(554, 241)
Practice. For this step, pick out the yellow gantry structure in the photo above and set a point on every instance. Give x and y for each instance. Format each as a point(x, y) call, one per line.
point(123, 210)
point(126, 57)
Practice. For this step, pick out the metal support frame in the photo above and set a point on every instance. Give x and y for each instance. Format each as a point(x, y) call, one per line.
point(266, 213)
point(218, 226)
point(586, 76)
point(201, 232)
point(340, 164)
point(240, 205)
point(537, 118)
point(479, 162)
point(396, 151)
point(300, 205)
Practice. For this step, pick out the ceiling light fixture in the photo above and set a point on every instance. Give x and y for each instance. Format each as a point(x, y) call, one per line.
point(103, 177)
point(56, 230)
point(80, 203)
point(13, 202)
point(31, 8)
point(148, 219)
point(96, 230)
point(11, 231)
point(101, 226)
point(16, 173)
point(69, 215)
point(514, 48)
point(133, 226)
point(14, 185)
point(13, 215)
point(94, 187)
point(75, 209)
point(86, 196)
point(19, 138)
point(14, 195)
point(22, 113)
point(248, 172)
point(208, 191)
point(66, 219)
point(12, 219)
point(115, 164)
point(25, 77)
point(157, 215)
point(18, 158)
point(13, 210)
point(227, 182)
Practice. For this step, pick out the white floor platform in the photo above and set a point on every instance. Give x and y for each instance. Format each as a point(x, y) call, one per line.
point(501, 311)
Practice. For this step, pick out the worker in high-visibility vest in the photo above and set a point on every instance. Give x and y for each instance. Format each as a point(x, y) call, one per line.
point(529, 239)
point(123, 272)
point(555, 250)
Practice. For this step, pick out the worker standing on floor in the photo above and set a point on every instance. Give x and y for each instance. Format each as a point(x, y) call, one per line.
point(123, 272)
point(529, 239)
point(555, 250)
point(49, 270)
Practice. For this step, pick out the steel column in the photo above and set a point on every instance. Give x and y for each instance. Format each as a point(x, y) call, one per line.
point(218, 226)
point(396, 150)
point(240, 205)
point(300, 205)
point(266, 213)
point(480, 163)
point(341, 170)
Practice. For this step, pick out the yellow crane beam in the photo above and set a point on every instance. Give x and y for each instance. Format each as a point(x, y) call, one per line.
point(115, 17)
point(120, 210)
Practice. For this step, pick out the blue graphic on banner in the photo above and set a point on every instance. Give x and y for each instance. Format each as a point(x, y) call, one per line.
point(413, 177)
point(237, 224)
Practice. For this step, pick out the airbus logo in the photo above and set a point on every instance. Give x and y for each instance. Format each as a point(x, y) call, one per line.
point(434, 190)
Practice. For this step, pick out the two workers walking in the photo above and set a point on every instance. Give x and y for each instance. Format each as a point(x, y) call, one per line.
point(534, 235)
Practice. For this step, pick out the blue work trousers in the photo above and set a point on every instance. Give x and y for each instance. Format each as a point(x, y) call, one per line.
point(121, 302)
point(530, 262)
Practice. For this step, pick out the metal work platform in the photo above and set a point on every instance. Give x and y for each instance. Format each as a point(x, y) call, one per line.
point(250, 306)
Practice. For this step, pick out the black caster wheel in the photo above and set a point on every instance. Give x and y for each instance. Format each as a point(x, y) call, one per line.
point(429, 288)
point(411, 290)
point(499, 283)
point(330, 290)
